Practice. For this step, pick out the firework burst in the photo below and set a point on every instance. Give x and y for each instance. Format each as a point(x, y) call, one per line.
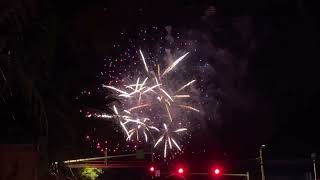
point(149, 103)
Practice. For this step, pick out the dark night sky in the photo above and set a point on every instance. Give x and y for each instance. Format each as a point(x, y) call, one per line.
point(280, 88)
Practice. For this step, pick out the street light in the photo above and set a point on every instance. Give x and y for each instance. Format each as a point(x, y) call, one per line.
point(261, 161)
point(314, 157)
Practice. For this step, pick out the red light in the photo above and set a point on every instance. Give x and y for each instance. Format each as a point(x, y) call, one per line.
point(216, 172)
point(180, 171)
point(151, 169)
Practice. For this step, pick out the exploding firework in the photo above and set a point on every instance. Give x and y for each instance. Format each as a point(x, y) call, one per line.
point(148, 107)
point(166, 136)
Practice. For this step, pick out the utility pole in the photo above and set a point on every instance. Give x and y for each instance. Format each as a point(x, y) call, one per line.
point(248, 175)
point(261, 161)
point(314, 157)
point(106, 157)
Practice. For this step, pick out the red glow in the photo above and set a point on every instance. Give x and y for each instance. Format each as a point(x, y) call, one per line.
point(216, 171)
point(151, 169)
point(180, 171)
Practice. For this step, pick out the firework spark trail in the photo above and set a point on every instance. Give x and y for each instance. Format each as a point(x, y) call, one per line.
point(156, 80)
point(132, 93)
point(111, 87)
point(181, 96)
point(132, 132)
point(106, 116)
point(124, 128)
point(137, 84)
point(137, 133)
point(128, 95)
point(145, 135)
point(126, 122)
point(180, 130)
point(129, 136)
point(151, 88)
point(165, 127)
point(138, 88)
point(139, 100)
point(174, 64)
point(129, 87)
point(125, 95)
point(137, 107)
point(176, 144)
point(158, 141)
point(168, 111)
point(132, 85)
point(115, 110)
point(135, 121)
point(168, 102)
point(189, 107)
point(144, 61)
point(186, 85)
point(165, 149)
point(167, 94)
point(155, 128)
point(170, 145)
point(159, 73)
point(144, 82)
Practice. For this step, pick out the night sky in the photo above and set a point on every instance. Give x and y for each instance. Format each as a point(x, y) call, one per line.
point(267, 72)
